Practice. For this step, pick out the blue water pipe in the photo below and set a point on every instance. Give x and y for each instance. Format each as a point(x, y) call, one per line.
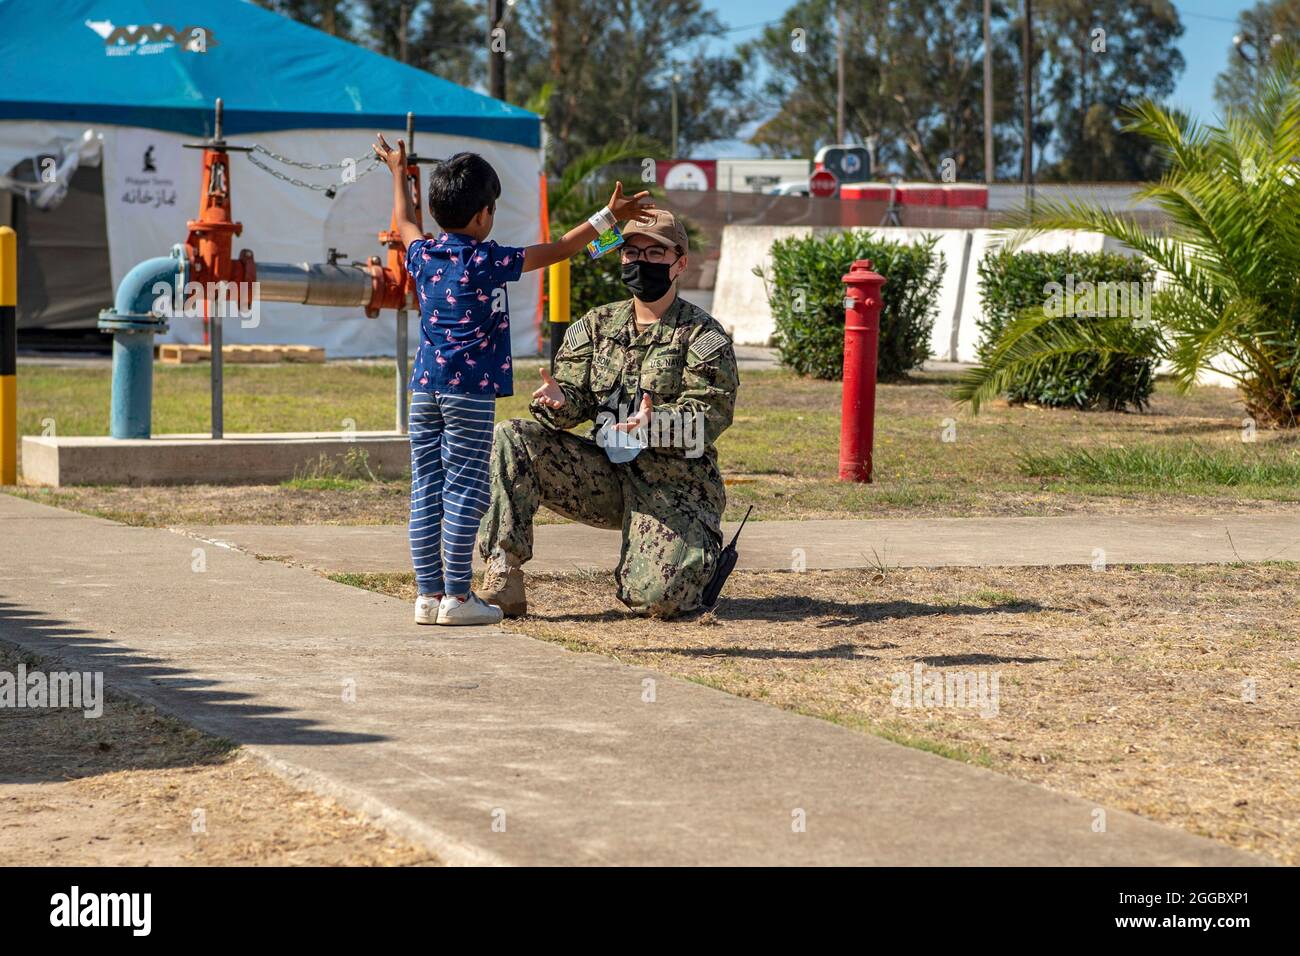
point(139, 313)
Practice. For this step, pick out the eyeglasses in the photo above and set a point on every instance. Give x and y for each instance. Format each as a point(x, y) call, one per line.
point(649, 254)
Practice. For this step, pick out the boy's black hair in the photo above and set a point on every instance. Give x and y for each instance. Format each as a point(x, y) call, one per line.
point(459, 187)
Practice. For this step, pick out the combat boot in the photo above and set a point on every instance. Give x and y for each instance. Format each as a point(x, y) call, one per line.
point(503, 585)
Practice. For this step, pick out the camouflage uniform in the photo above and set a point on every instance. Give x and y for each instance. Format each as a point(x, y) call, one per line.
point(668, 506)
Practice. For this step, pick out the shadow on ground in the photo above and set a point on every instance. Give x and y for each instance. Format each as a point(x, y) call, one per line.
point(837, 613)
point(38, 744)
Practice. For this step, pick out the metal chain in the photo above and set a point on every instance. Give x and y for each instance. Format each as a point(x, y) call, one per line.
point(293, 162)
point(329, 189)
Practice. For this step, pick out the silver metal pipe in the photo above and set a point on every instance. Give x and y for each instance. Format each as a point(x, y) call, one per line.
point(313, 284)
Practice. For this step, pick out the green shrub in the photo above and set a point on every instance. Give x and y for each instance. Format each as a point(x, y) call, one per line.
point(1013, 283)
point(595, 282)
point(806, 294)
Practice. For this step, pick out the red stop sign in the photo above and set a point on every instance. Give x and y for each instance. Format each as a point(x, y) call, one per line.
point(823, 183)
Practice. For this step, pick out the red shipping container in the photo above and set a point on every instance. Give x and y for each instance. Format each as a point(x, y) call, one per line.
point(967, 195)
point(879, 192)
point(921, 194)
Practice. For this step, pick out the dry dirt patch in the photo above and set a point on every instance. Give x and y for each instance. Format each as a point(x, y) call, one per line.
point(1132, 687)
point(123, 790)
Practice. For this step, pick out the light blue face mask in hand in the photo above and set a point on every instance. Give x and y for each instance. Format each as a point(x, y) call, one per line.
point(620, 447)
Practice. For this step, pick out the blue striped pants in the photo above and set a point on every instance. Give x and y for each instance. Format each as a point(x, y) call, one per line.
point(451, 447)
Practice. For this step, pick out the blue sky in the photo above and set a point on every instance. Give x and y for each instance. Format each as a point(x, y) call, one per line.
point(1208, 26)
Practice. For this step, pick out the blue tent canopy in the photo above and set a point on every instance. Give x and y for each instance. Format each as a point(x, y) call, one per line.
point(128, 63)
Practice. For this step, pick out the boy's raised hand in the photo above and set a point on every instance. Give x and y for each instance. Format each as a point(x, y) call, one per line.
point(394, 158)
point(637, 207)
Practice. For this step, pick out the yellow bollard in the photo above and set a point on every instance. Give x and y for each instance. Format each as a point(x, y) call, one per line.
point(558, 289)
point(8, 356)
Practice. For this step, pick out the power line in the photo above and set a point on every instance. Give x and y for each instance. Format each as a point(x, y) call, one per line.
point(751, 26)
point(1206, 16)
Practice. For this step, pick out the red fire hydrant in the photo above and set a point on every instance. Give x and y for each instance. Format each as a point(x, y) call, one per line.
point(861, 339)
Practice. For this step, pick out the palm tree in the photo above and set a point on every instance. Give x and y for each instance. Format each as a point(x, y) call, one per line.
point(1229, 261)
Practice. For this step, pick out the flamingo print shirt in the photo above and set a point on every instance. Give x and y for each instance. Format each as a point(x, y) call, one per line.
point(464, 314)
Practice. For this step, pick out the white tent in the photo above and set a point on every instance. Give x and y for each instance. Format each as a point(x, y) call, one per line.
point(107, 74)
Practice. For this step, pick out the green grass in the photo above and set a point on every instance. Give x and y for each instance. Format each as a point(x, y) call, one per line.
point(997, 598)
point(780, 455)
point(325, 484)
point(900, 734)
point(1172, 466)
point(352, 473)
point(259, 398)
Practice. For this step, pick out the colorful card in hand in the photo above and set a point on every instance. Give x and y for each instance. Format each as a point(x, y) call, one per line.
point(611, 238)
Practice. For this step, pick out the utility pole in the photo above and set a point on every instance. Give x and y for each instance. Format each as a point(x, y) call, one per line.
point(839, 71)
point(988, 92)
point(1029, 105)
point(677, 78)
point(496, 50)
point(1257, 62)
point(401, 35)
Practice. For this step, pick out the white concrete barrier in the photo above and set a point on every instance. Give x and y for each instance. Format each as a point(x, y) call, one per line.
point(199, 459)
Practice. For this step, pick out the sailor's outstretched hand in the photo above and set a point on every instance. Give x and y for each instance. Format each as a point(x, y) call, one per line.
point(640, 419)
point(549, 393)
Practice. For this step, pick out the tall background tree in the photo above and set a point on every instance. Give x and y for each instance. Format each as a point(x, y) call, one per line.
point(335, 17)
point(913, 74)
point(1107, 55)
point(445, 37)
point(610, 67)
point(914, 79)
point(1250, 58)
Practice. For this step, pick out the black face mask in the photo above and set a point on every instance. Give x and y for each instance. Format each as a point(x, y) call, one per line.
point(648, 281)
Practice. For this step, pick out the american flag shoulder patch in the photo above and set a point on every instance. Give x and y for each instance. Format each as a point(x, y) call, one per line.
point(709, 344)
point(577, 336)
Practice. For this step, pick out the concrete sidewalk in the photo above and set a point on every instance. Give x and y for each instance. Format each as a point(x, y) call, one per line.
point(491, 747)
point(922, 542)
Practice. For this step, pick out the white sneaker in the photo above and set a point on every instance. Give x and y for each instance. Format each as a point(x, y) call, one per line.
point(468, 610)
point(426, 609)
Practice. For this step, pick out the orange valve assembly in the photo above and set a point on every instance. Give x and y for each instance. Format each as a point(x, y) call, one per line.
point(206, 259)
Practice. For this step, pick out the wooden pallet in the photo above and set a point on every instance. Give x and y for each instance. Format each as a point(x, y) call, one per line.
point(174, 354)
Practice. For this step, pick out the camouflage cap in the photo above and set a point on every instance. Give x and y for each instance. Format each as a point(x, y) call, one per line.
point(664, 229)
